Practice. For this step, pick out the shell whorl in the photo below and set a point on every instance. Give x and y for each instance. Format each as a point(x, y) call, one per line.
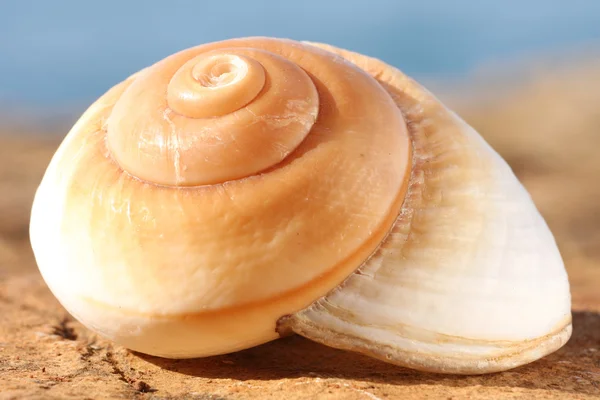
point(241, 180)
point(227, 114)
point(212, 85)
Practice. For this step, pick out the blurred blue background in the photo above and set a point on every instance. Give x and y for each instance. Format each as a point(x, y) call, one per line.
point(64, 54)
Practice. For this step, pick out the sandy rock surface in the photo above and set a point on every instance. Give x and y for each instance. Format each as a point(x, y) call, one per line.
point(551, 142)
point(46, 355)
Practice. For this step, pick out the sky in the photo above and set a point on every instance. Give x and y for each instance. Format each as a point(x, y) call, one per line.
point(69, 52)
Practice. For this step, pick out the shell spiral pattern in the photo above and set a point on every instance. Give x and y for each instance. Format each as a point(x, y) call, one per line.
point(239, 178)
point(245, 189)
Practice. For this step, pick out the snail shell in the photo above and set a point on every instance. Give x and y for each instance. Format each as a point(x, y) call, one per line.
point(244, 189)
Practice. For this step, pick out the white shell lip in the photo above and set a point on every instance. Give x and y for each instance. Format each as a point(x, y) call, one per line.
point(470, 279)
point(443, 356)
point(423, 304)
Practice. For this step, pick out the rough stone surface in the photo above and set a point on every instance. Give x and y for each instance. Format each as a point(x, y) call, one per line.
point(549, 140)
point(45, 355)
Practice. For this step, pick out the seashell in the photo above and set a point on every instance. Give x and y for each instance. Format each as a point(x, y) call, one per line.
point(251, 188)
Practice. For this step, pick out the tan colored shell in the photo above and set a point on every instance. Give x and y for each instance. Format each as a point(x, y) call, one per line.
point(235, 183)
